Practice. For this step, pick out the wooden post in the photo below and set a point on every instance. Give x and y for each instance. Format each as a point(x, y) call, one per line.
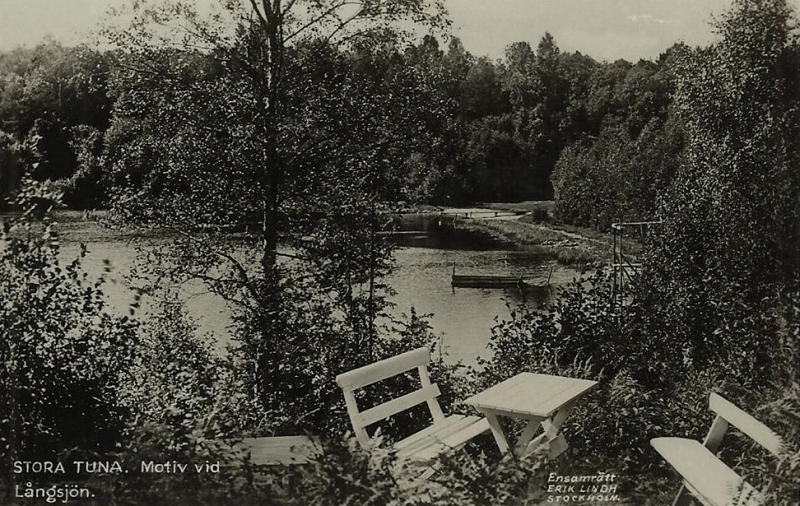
point(433, 404)
point(352, 411)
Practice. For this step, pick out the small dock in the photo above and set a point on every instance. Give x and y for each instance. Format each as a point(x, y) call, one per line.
point(497, 281)
point(488, 281)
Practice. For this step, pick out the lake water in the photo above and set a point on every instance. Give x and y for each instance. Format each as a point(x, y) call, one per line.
point(429, 247)
point(464, 316)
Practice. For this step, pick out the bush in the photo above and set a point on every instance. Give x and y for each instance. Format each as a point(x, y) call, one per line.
point(63, 354)
point(540, 215)
point(178, 384)
point(784, 415)
point(345, 474)
point(781, 411)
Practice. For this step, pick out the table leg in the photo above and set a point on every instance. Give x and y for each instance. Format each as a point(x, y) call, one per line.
point(498, 432)
point(558, 444)
point(526, 436)
point(551, 436)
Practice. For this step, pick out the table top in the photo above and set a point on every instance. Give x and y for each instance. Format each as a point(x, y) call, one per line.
point(531, 394)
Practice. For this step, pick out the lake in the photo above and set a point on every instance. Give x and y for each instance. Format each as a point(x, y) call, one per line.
point(429, 247)
point(463, 316)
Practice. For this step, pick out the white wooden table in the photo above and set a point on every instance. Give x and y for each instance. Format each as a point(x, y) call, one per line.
point(543, 400)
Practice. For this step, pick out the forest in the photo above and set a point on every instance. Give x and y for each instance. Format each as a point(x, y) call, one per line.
point(495, 130)
point(264, 147)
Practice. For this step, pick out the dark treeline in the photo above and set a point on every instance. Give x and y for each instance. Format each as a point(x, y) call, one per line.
point(513, 119)
point(54, 111)
point(503, 131)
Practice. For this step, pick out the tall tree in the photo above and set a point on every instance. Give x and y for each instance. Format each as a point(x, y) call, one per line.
point(727, 253)
point(283, 120)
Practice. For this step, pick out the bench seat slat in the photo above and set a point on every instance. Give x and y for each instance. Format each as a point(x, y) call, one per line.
point(707, 477)
point(433, 446)
point(387, 409)
point(451, 424)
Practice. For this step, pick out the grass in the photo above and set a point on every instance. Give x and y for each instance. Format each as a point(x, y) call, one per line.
point(91, 227)
point(551, 243)
point(526, 206)
point(537, 207)
point(628, 243)
point(517, 232)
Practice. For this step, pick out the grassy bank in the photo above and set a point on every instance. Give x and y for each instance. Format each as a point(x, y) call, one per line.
point(526, 206)
point(597, 243)
point(552, 244)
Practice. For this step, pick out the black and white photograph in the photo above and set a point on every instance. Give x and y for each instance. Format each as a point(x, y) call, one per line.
point(400, 252)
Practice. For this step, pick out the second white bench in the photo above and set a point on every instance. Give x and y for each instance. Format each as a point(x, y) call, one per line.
point(706, 477)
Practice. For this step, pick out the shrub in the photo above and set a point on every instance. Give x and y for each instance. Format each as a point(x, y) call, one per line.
point(476, 479)
point(540, 215)
point(62, 352)
point(784, 414)
point(345, 474)
point(180, 385)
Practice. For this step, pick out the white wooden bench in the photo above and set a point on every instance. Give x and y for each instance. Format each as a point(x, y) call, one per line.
point(446, 432)
point(705, 476)
point(279, 450)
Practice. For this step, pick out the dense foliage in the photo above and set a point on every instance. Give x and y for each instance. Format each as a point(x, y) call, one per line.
point(495, 130)
point(55, 98)
point(63, 354)
point(712, 309)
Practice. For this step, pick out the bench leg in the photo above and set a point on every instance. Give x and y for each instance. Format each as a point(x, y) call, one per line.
point(552, 436)
point(683, 498)
point(558, 445)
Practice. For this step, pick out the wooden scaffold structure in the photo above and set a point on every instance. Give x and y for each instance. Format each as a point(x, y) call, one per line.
point(625, 264)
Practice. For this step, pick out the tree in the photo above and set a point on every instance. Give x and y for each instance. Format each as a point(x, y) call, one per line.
point(628, 142)
point(263, 58)
point(46, 93)
point(282, 121)
point(726, 256)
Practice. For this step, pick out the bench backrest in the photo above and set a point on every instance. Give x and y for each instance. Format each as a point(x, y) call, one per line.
point(367, 375)
point(759, 432)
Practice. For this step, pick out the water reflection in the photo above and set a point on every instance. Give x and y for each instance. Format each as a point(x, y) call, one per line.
point(441, 232)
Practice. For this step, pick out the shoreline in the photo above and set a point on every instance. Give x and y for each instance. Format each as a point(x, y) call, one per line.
point(551, 243)
point(567, 247)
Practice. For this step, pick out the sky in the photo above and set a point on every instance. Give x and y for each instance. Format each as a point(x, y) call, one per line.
point(604, 29)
